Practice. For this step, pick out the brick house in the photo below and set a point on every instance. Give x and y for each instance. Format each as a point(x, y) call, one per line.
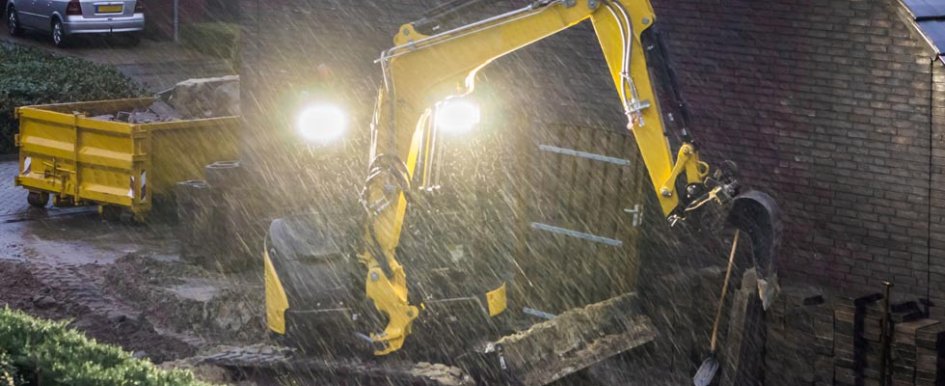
point(834, 108)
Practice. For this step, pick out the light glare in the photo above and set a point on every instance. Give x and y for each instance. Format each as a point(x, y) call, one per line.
point(322, 123)
point(457, 116)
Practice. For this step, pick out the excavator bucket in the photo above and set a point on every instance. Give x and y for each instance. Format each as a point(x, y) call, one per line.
point(757, 214)
point(566, 344)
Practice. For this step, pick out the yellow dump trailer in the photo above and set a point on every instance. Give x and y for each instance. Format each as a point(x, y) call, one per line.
point(79, 159)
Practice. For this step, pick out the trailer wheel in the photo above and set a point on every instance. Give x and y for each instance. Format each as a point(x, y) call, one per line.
point(38, 199)
point(111, 213)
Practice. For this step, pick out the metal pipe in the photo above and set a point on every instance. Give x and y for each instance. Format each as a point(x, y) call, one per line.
point(466, 29)
point(176, 21)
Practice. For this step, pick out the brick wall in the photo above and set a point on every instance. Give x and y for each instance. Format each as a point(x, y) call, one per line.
point(937, 184)
point(826, 105)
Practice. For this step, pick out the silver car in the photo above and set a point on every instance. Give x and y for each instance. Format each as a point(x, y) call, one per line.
point(63, 18)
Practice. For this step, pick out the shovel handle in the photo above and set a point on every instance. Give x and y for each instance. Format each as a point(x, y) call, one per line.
point(713, 342)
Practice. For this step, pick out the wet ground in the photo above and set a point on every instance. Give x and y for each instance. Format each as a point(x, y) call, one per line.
point(120, 283)
point(21, 289)
point(125, 284)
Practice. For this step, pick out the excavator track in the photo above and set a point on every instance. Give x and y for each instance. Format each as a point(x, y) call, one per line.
point(283, 360)
point(539, 355)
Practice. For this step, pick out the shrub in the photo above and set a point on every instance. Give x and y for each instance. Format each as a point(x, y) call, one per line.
point(32, 348)
point(29, 76)
point(8, 373)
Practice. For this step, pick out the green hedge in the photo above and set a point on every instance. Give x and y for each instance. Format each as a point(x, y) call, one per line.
point(29, 76)
point(31, 349)
point(8, 374)
point(215, 38)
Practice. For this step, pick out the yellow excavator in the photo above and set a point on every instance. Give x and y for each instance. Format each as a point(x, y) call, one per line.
point(338, 290)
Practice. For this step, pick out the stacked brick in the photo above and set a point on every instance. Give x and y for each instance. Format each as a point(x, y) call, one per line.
point(844, 343)
point(814, 339)
point(930, 355)
point(914, 352)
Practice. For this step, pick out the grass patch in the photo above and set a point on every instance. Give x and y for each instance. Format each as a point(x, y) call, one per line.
point(36, 351)
point(29, 76)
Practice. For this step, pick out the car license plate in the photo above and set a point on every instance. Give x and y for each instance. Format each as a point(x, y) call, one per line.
point(109, 8)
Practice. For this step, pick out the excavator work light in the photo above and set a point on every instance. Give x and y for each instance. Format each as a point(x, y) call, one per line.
point(456, 115)
point(322, 123)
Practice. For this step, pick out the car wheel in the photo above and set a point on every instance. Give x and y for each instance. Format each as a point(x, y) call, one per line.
point(13, 22)
point(58, 34)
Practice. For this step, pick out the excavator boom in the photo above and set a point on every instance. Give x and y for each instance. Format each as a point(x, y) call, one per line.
point(421, 71)
point(425, 70)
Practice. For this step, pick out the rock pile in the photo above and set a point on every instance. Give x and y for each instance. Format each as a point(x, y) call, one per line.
point(205, 98)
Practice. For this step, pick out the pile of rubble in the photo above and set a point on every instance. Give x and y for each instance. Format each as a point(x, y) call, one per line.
point(190, 99)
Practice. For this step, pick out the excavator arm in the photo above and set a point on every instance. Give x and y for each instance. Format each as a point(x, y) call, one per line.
point(421, 71)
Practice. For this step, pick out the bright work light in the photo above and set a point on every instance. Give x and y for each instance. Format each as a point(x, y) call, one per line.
point(456, 115)
point(322, 123)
